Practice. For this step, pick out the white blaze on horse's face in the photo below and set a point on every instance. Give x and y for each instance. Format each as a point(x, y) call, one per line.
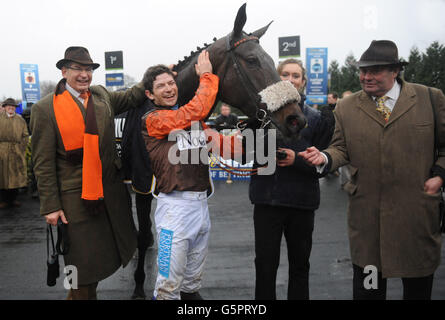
point(165, 91)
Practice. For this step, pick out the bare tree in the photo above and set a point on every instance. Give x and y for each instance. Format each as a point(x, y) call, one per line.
point(47, 87)
point(129, 81)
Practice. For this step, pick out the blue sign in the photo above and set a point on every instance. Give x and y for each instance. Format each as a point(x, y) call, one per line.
point(114, 79)
point(20, 107)
point(317, 75)
point(29, 74)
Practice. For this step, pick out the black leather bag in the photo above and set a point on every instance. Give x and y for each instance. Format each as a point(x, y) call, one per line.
point(442, 215)
point(61, 248)
point(52, 259)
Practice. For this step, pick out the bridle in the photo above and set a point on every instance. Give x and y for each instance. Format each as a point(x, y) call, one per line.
point(261, 114)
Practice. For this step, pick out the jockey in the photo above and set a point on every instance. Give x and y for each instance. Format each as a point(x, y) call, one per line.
point(178, 143)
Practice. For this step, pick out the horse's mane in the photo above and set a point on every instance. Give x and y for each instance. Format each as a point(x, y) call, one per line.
point(187, 59)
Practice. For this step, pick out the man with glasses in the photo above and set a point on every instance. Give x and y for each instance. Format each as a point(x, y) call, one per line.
point(386, 132)
point(78, 171)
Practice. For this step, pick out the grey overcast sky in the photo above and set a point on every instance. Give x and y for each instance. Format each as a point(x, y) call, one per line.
point(151, 32)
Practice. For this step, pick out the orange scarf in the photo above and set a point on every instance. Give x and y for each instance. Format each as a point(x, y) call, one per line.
point(81, 139)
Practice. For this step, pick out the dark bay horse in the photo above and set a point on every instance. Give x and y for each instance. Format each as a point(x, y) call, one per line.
point(244, 70)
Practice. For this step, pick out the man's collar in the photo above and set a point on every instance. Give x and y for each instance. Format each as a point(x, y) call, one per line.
point(175, 107)
point(71, 90)
point(394, 92)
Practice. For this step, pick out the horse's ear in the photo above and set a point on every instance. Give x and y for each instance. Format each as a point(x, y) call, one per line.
point(259, 33)
point(240, 21)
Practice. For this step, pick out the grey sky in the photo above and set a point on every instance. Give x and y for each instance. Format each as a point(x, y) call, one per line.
point(151, 32)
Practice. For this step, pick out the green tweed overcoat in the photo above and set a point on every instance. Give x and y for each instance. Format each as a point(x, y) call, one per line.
point(99, 244)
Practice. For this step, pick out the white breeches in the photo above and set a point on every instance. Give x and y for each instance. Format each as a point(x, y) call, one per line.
point(182, 225)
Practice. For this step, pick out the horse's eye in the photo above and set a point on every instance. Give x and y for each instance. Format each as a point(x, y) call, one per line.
point(253, 61)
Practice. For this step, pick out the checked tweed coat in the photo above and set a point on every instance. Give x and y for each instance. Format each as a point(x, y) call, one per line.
point(392, 223)
point(99, 244)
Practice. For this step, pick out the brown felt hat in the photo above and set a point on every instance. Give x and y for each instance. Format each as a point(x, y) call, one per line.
point(79, 55)
point(9, 102)
point(379, 53)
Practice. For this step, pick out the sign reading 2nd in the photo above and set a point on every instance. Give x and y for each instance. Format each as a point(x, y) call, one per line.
point(286, 45)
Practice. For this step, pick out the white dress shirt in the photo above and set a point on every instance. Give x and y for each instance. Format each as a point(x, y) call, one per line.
point(392, 95)
point(74, 93)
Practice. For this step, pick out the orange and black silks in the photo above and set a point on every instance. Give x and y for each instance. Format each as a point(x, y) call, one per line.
point(161, 122)
point(81, 140)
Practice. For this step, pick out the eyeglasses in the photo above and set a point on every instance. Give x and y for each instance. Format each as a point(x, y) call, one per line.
point(88, 70)
point(373, 69)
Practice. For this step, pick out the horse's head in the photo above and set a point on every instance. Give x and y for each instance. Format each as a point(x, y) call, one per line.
point(245, 70)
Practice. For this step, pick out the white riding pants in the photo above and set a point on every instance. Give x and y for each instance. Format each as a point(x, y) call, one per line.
point(182, 225)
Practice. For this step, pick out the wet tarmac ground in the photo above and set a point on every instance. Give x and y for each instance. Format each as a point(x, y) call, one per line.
point(229, 272)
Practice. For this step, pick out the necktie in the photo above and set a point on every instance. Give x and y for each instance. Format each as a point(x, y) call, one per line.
point(84, 96)
point(384, 110)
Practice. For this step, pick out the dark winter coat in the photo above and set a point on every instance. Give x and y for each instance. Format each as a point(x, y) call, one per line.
point(135, 158)
point(327, 112)
point(297, 185)
point(226, 122)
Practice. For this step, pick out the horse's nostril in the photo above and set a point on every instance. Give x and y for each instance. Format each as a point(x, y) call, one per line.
point(292, 120)
point(295, 122)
